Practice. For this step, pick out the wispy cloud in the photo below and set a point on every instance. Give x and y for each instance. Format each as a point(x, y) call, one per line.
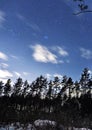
point(25, 73)
point(14, 57)
point(5, 74)
point(61, 61)
point(50, 76)
point(31, 25)
point(42, 54)
point(3, 56)
point(61, 51)
point(2, 18)
point(21, 17)
point(58, 75)
point(34, 26)
point(17, 74)
point(67, 61)
point(4, 65)
point(86, 53)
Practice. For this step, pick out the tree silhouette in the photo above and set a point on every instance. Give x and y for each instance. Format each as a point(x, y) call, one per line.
point(49, 91)
point(17, 87)
point(90, 86)
point(26, 87)
point(1, 88)
point(64, 87)
point(84, 80)
point(56, 83)
point(77, 88)
point(7, 88)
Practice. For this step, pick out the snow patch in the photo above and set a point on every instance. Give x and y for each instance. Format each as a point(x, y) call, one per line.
point(44, 123)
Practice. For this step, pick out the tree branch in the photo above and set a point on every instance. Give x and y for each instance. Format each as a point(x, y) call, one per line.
point(87, 11)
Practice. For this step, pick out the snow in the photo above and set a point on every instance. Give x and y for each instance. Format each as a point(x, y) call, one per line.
point(38, 123)
point(78, 128)
point(30, 127)
point(44, 123)
point(84, 129)
point(2, 128)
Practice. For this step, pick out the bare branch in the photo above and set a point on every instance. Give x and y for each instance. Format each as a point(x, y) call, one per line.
point(87, 11)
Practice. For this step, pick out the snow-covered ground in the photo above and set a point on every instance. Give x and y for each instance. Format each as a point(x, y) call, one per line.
point(44, 123)
point(37, 124)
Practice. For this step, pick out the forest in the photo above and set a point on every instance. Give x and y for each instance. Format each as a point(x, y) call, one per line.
point(66, 101)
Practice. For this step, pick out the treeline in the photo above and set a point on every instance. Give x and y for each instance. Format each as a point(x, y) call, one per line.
point(62, 100)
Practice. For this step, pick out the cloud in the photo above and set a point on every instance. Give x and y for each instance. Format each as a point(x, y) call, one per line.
point(5, 74)
point(42, 54)
point(85, 53)
point(17, 74)
point(48, 76)
point(61, 61)
point(14, 57)
point(31, 25)
point(21, 17)
point(2, 18)
point(4, 65)
point(3, 56)
point(67, 61)
point(60, 51)
point(90, 72)
point(58, 75)
point(34, 26)
point(25, 73)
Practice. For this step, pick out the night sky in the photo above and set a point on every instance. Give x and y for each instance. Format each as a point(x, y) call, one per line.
point(43, 37)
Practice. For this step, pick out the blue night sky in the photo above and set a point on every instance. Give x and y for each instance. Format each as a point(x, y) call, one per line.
point(44, 37)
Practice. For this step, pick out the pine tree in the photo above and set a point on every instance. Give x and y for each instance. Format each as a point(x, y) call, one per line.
point(56, 88)
point(7, 88)
point(64, 87)
point(69, 85)
point(84, 80)
point(1, 88)
point(25, 88)
point(49, 91)
point(77, 88)
point(18, 87)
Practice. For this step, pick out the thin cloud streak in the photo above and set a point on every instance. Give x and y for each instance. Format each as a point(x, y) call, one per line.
point(25, 73)
point(2, 18)
point(85, 53)
point(31, 25)
point(17, 74)
point(4, 65)
point(14, 57)
point(62, 52)
point(3, 56)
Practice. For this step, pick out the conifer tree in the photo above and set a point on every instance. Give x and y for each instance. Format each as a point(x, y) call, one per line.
point(1, 88)
point(18, 87)
point(7, 88)
point(84, 80)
